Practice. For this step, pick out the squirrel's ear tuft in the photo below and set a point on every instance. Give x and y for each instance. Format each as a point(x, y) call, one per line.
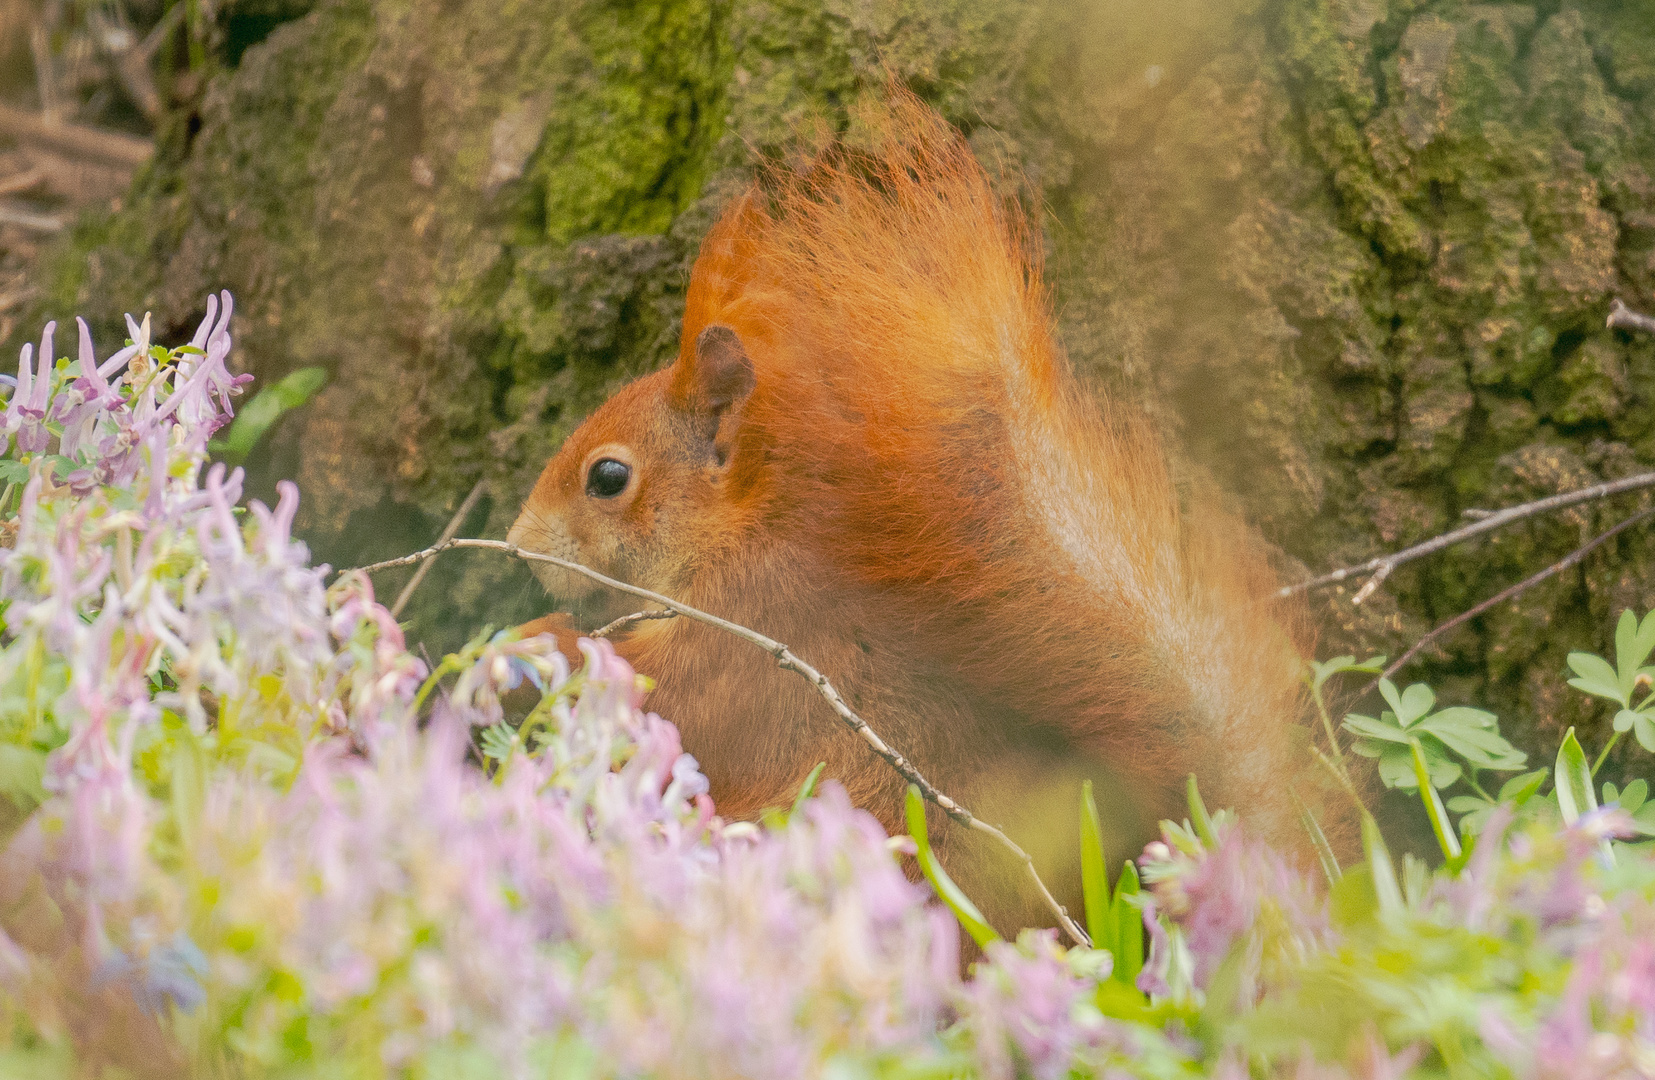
point(723, 373)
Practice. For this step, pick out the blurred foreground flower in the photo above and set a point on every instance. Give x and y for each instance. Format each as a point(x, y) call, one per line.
point(244, 832)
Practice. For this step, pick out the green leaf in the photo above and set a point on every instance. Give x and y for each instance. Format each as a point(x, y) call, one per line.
point(498, 742)
point(1410, 704)
point(1321, 672)
point(1625, 719)
point(1646, 638)
point(1460, 861)
point(1519, 789)
point(1644, 728)
point(952, 895)
point(1416, 703)
point(1094, 876)
point(1574, 781)
point(1633, 644)
point(1380, 867)
point(1574, 788)
point(1484, 749)
point(1446, 839)
point(1630, 799)
point(1129, 928)
point(1396, 766)
point(265, 408)
point(1198, 814)
point(1476, 811)
point(1462, 716)
point(1318, 839)
point(1626, 642)
point(1369, 728)
point(1596, 677)
point(808, 788)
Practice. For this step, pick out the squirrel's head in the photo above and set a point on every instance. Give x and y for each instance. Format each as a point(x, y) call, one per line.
point(641, 490)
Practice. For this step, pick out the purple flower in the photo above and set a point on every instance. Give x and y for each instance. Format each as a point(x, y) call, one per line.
point(26, 414)
point(1240, 890)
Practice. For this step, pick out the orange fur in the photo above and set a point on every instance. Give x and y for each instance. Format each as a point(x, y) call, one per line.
point(916, 495)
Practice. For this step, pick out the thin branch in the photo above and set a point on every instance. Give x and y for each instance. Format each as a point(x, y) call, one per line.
point(626, 622)
point(132, 64)
point(75, 140)
point(12, 214)
point(448, 532)
point(40, 49)
point(1382, 565)
point(1555, 568)
point(21, 181)
point(787, 661)
point(1624, 317)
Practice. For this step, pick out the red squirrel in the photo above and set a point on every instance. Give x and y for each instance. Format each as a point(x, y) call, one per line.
point(870, 448)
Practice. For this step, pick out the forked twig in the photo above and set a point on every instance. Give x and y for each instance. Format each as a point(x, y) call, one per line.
point(1381, 565)
point(1501, 597)
point(787, 661)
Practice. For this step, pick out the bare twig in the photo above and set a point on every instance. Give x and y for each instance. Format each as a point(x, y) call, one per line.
point(11, 298)
point(628, 621)
point(75, 140)
point(1624, 317)
point(1464, 617)
point(12, 214)
point(1382, 565)
point(40, 49)
point(132, 65)
point(448, 532)
point(787, 661)
point(21, 181)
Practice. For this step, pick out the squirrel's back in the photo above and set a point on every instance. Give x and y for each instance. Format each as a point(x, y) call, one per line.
point(917, 415)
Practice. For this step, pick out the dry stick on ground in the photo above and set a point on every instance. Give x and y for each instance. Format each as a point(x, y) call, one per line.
point(75, 140)
point(24, 218)
point(1557, 567)
point(21, 181)
point(626, 622)
point(787, 661)
point(448, 532)
point(1380, 566)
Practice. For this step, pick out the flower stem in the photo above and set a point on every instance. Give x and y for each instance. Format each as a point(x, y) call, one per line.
point(1610, 745)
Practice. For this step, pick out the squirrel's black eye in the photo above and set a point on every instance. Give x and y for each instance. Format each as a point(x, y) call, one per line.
point(607, 478)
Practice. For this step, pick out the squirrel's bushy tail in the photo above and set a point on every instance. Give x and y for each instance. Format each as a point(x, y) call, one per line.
point(937, 446)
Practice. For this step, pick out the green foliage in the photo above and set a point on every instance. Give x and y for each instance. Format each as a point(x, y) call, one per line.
point(1114, 921)
point(1470, 735)
point(951, 894)
point(1433, 751)
point(266, 407)
point(1627, 680)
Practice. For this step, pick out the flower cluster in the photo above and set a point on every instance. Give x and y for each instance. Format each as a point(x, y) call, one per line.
point(1535, 959)
point(253, 834)
point(243, 831)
